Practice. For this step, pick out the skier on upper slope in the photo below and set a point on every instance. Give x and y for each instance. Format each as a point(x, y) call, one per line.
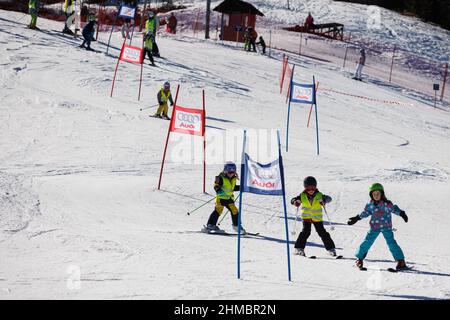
point(225, 185)
point(311, 201)
point(380, 210)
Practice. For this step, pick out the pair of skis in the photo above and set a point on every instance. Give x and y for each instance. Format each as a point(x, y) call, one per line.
point(393, 270)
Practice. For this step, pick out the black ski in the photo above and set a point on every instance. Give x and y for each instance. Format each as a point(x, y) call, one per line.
point(400, 270)
point(336, 257)
point(153, 116)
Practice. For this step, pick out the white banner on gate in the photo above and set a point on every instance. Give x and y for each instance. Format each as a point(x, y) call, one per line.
point(127, 12)
point(263, 178)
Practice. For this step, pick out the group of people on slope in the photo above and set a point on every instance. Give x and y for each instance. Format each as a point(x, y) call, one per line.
point(312, 203)
point(250, 36)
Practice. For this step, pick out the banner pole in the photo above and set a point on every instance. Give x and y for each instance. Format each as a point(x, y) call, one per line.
point(289, 109)
point(310, 109)
point(112, 29)
point(243, 170)
point(204, 142)
point(284, 205)
point(115, 73)
point(167, 139)
point(142, 67)
point(317, 120)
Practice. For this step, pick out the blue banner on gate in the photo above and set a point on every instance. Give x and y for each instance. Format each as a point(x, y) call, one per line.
point(303, 93)
point(262, 178)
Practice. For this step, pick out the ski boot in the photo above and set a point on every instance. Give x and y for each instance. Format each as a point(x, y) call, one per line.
point(243, 232)
point(299, 252)
point(211, 228)
point(401, 265)
point(165, 117)
point(359, 264)
point(157, 115)
point(332, 252)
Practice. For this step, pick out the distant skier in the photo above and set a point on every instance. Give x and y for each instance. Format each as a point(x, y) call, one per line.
point(163, 96)
point(225, 185)
point(69, 12)
point(125, 30)
point(172, 24)
point(88, 33)
point(262, 43)
point(311, 201)
point(361, 62)
point(250, 37)
point(380, 210)
point(151, 27)
point(309, 22)
point(33, 9)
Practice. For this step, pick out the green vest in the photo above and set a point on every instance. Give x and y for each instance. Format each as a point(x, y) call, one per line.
point(311, 211)
point(228, 187)
point(32, 4)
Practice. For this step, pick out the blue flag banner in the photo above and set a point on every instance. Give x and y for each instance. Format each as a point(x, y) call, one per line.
point(262, 178)
point(303, 93)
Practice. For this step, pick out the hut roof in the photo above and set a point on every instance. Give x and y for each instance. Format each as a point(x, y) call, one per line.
point(237, 6)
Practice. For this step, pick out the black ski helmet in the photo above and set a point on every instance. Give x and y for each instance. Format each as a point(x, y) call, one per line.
point(310, 181)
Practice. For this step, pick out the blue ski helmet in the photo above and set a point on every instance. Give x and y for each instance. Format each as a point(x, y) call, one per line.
point(229, 167)
point(167, 85)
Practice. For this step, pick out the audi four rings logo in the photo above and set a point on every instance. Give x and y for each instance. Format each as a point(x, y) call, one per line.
point(266, 173)
point(188, 117)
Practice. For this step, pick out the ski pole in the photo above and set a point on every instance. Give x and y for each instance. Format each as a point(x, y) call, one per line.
point(329, 221)
point(228, 210)
point(155, 105)
point(295, 224)
point(189, 212)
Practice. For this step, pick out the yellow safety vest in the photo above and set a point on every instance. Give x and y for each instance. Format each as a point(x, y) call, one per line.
point(68, 7)
point(165, 97)
point(311, 211)
point(228, 187)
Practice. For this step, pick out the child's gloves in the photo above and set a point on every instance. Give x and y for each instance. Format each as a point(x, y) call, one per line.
point(404, 216)
point(353, 220)
point(295, 202)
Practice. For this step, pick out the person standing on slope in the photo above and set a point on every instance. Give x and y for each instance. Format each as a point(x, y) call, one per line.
point(311, 201)
point(151, 27)
point(163, 96)
point(33, 9)
point(88, 33)
point(69, 12)
point(225, 186)
point(380, 209)
point(361, 62)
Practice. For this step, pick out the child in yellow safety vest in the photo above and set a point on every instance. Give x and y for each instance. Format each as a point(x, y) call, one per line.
point(163, 96)
point(311, 201)
point(224, 185)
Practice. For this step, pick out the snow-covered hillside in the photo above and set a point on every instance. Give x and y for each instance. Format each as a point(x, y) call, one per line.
point(80, 216)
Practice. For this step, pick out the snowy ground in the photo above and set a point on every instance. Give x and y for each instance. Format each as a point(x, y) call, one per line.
point(78, 176)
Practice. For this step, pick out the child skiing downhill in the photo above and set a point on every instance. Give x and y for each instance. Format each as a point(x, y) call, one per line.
point(225, 185)
point(380, 210)
point(311, 201)
point(88, 33)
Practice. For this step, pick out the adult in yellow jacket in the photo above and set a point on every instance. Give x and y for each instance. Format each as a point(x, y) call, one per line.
point(311, 201)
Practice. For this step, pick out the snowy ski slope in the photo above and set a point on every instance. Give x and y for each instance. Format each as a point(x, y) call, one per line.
point(80, 216)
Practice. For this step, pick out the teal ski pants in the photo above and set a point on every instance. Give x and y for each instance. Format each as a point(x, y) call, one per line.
point(371, 236)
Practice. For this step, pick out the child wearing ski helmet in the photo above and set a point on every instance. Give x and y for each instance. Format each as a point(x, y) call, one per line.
point(311, 201)
point(225, 185)
point(380, 209)
point(163, 96)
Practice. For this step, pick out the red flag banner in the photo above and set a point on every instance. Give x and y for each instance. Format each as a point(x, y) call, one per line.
point(186, 120)
point(131, 54)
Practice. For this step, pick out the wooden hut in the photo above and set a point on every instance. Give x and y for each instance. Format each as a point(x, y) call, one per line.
point(237, 15)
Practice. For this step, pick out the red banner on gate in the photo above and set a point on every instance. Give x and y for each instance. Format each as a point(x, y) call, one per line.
point(131, 54)
point(187, 120)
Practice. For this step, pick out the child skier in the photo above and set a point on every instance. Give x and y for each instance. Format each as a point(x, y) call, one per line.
point(380, 209)
point(311, 201)
point(88, 33)
point(225, 185)
point(163, 95)
point(33, 9)
point(262, 43)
